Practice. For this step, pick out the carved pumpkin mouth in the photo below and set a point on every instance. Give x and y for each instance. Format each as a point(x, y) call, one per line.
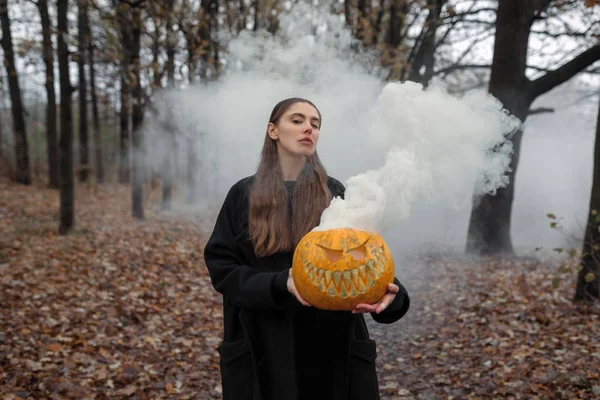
point(349, 283)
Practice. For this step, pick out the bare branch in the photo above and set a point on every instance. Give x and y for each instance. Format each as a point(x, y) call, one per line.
point(459, 67)
point(478, 22)
point(449, 29)
point(554, 78)
point(485, 35)
point(541, 110)
point(559, 35)
point(469, 12)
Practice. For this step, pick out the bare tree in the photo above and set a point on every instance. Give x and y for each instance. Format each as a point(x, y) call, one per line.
point(489, 226)
point(67, 184)
point(130, 27)
point(125, 35)
point(23, 173)
point(588, 279)
point(82, 46)
point(95, 115)
point(51, 123)
point(168, 173)
point(423, 52)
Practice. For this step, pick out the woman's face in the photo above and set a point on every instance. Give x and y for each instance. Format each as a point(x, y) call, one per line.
point(297, 130)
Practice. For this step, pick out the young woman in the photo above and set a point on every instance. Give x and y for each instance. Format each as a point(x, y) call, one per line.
point(275, 345)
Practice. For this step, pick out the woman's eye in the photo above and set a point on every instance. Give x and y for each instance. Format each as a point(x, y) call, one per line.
point(297, 121)
point(315, 126)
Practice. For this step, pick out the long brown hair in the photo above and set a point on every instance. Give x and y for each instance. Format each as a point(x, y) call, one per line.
point(270, 227)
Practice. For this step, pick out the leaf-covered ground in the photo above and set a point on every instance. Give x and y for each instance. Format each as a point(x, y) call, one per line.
point(124, 309)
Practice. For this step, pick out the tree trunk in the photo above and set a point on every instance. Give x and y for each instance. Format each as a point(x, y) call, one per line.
point(394, 29)
point(171, 44)
point(167, 173)
point(95, 114)
point(137, 206)
point(257, 14)
point(48, 56)
point(362, 20)
point(242, 20)
point(206, 30)
point(124, 170)
point(425, 51)
point(191, 46)
point(348, 14)
point(2, 158)
point(67, 186)
point(393, 39)
point(489, 225)
point(156, 73)
point(84, 146)
point(192, 170)
point(588, 279)
point(23, 173)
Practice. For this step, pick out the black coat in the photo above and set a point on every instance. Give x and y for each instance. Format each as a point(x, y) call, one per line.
point(259, 352)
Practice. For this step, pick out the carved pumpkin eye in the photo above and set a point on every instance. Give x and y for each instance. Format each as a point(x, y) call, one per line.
point(332, 255)
point(359, 252)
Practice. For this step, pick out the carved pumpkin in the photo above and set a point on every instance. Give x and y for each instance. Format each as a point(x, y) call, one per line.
point(339, 268)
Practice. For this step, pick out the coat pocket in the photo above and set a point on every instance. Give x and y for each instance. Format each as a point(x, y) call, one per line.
point(363, 374)
point(237, 372)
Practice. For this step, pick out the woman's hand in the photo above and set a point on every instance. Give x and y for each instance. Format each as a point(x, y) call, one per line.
point(291, 287)
point(378, 307)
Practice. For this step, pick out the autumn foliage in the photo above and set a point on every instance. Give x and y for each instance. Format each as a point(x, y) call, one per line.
point(124, 309)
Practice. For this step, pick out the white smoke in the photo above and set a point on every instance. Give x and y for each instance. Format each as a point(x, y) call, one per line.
point(392, 144)
point(442, 150)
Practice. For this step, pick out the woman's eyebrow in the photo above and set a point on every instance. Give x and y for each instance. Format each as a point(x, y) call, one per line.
point(304, 116)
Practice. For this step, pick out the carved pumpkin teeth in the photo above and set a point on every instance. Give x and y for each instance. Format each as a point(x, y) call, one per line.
point(331, 290)
point(347, 277)
point(348, 283)
point(361, 286)
point(322, 286)
point(343, 293)
point(318, 276)
point(370, 268)
point(370, 281)
point(353, 289)
point(337, 277)
point(355, 276)
point(363, 271)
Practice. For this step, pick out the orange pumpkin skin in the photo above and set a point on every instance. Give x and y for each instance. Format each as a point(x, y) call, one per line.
point(338, 269)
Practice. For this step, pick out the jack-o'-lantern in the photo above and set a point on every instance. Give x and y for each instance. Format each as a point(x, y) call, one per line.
point(339, 268)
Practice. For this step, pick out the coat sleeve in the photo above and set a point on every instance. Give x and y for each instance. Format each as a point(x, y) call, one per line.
point(229, 273)
point(396, 309)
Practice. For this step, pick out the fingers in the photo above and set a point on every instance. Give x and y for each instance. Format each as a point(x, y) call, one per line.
point(364, 308)
point(393, 288)
point(292, 289)
point(301, 300)
point(380, 305)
